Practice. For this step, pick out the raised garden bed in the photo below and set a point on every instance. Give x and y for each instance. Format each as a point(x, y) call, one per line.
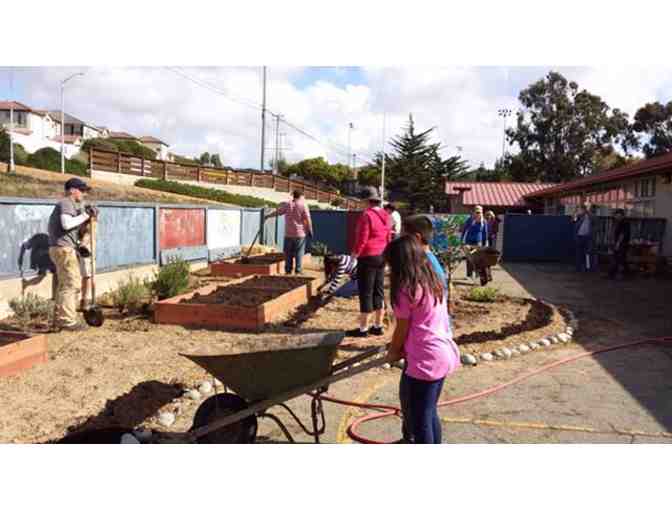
point(249, 304)
point(21, 351)
point(268, 264)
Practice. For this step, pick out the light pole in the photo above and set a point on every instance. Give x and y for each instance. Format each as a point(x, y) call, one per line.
point(504, 113)
point(263, 117)
point(350, 128)
point(382, 169)
point(63, 118)
point(11, 122)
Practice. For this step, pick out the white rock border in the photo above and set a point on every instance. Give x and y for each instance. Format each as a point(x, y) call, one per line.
point(563, 336)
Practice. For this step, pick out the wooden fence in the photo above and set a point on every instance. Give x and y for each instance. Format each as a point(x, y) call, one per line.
point(129, 164)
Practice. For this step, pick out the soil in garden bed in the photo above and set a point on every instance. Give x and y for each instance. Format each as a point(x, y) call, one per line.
point(232, 296)
point(274, 282)
point(259, 260)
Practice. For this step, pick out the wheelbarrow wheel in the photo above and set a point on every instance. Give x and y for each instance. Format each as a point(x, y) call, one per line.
point(219, 406)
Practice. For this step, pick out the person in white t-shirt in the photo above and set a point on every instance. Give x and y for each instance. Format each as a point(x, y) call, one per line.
point(396, 219)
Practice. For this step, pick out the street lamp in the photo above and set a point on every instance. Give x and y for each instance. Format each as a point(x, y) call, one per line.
point(350, 128)
point(504, 113)
point(63, 118)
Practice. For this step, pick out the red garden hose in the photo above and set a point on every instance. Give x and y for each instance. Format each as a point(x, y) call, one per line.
point(388, 410)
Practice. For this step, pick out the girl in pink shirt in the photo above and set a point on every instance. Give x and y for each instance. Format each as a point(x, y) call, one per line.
point(422, 337)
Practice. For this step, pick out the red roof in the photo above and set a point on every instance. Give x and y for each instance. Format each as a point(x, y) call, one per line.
point(22, 131)
point(66, 138)
point(495, 194)
point(14, 105)
point(151, 139)
point(644, 167)
point(121, 135)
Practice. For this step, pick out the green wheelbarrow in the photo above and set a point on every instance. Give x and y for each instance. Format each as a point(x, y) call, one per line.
point(261, 379)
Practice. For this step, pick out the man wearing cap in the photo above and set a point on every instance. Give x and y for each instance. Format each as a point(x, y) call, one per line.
point(64, 239)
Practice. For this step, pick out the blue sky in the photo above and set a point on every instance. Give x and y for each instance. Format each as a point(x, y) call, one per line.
point(461, 102)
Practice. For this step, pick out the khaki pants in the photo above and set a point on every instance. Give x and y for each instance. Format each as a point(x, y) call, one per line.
point(69, 283)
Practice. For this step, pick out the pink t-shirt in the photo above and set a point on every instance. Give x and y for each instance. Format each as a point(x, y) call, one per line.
point(429, 349)
point(297, 218)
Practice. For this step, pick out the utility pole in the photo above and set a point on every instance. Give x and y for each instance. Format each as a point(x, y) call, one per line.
point(382, 172)
point(277, 144)
point(63, 118)
point(11, 121)
point(504, 113)
point(350, 127)
point(263, 117)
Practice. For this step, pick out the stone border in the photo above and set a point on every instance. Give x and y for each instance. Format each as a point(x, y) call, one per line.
point(562, 337)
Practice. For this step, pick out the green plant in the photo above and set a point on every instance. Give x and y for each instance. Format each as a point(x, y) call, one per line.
point(30, 307)
point(483, 294)
point(125, 146)
point(130, 294)
point(205, 193)
point(50, 159)
point(318, 249)
point(171, 279)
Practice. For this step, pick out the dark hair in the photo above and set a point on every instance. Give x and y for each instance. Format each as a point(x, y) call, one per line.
point(421, 225)
point(330, 264)
point(409, 269)
point(390, 207)
point(297, 193)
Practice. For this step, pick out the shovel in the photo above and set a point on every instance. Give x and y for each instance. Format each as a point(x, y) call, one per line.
point(246, 258)
point(93, 315)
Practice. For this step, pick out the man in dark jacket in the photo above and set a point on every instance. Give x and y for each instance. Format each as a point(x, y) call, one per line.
point(621, 242)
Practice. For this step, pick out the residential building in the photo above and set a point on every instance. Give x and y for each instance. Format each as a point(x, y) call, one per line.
point(35, 129)
point(500, 197)
point(75, 127)
point(643, 189)
point(158, 146)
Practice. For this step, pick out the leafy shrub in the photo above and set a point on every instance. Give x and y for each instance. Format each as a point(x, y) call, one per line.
point(125, 146)
point(171, 279)
point(319, 249)
point(130, 294)
point(204, 193)
point(32, 307)
point(483, 294)
point(50, 159)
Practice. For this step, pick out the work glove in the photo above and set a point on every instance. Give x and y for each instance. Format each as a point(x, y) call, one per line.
point(91, 211)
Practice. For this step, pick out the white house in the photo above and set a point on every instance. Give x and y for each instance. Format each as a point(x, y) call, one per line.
point(75, 127)
point(35, 129)
point(161, 148)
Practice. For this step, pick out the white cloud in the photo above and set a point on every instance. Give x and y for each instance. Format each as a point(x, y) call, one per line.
point(461, 101)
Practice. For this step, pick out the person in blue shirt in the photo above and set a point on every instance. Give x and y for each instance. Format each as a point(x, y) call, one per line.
point(475, 233)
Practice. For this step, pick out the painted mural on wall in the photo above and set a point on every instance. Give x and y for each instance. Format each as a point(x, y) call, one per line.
point(179, 228)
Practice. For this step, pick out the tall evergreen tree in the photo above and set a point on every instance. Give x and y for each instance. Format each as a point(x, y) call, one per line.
point(418, 171)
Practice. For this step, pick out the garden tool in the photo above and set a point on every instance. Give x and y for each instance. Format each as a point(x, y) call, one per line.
point(93, 315)
point(246, 258)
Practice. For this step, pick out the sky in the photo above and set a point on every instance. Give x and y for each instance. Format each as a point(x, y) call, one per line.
point(217, 109)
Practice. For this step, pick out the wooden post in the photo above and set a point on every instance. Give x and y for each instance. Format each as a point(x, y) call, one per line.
point(142, 167)
point(91, 162)
point(118, 162)
point(198, 174)
point(165, 171)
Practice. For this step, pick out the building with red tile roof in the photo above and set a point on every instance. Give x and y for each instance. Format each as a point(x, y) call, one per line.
point(500, 197)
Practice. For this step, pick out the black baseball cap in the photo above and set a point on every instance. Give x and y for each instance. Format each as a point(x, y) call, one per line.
point(76, 183)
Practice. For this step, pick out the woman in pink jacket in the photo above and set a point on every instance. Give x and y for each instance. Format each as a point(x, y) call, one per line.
point(374, 231)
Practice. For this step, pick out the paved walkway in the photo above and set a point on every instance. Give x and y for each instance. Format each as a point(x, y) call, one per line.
point(617, 397)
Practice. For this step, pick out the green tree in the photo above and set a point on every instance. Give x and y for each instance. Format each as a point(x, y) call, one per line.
point(125, 146)
point(560, 129)
point(216, 161)
point(319, 170)
point(204, 159)
point(497, 174)
point(654, 120)
point(418, 172)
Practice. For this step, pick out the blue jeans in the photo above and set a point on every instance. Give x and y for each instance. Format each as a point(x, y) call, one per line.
point(583, 252)
point(295, 247)
point(420, 421)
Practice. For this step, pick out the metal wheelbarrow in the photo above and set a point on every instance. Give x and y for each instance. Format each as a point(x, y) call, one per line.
point(265, 378)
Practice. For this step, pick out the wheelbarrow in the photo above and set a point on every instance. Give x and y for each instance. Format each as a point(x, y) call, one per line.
point(263, 379)
point(482, 259)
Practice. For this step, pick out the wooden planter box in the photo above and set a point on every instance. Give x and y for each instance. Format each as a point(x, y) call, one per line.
point(269, 264)
point(20, 351)
point(266, 303)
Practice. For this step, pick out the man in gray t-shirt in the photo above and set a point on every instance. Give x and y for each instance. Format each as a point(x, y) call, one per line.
point(64, 224)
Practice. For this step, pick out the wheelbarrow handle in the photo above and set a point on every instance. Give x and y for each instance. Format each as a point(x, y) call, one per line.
point(359, 357)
